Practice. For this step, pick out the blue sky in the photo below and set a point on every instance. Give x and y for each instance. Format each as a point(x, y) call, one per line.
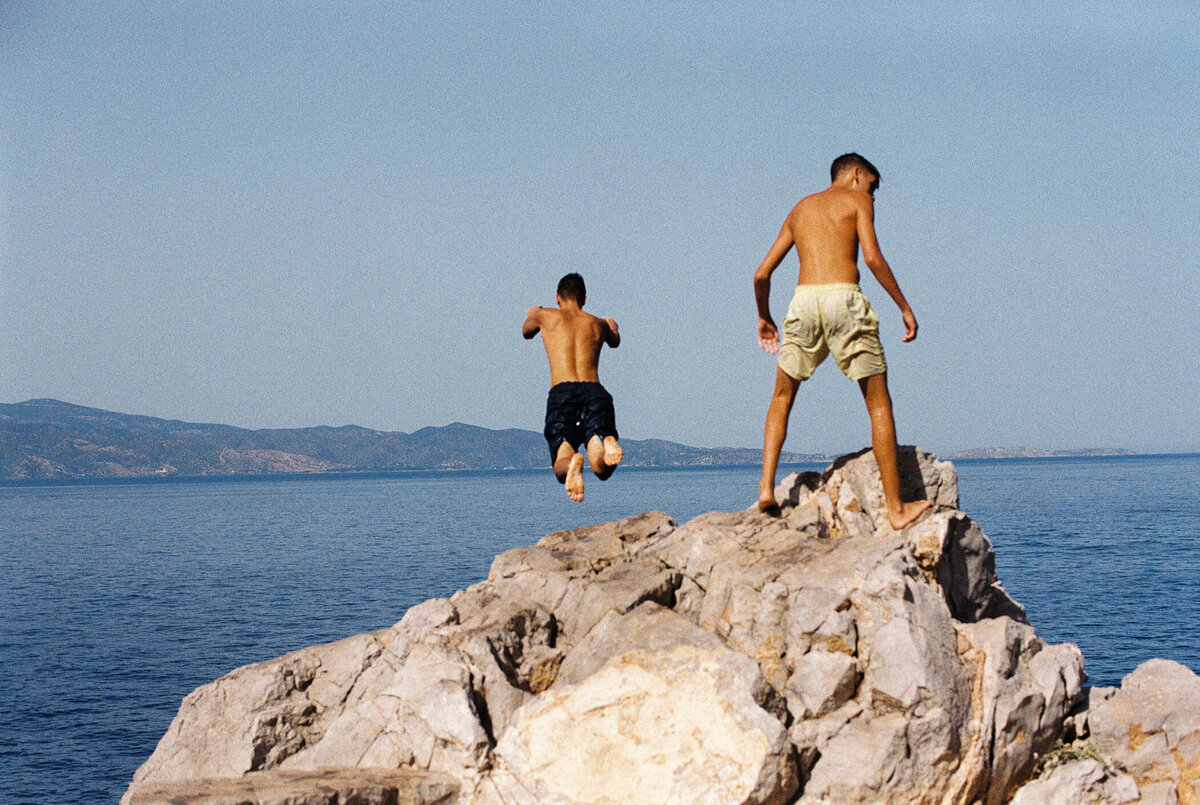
point(278, 215)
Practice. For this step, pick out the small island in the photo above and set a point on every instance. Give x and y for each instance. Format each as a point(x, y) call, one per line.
point(1033, 452)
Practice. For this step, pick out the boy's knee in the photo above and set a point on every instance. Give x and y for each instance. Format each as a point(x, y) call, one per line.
point(786, 387)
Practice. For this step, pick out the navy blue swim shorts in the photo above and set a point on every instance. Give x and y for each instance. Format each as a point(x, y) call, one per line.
point(577, 411)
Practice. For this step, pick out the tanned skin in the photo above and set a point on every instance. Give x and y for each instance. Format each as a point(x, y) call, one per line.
point(827, 229)
point(573, 340)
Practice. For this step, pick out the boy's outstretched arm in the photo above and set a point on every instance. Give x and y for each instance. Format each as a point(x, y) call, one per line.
point(768, 333)
point(612, 336)
point(533, 322)
point(875, 261)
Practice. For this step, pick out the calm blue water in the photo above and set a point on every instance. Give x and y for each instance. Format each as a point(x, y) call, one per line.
point(117, 599)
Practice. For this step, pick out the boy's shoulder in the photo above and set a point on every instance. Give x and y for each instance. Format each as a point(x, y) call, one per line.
point(837, 202)
point(835, 195)
point(574, 318)
point(814, 204)
point(557, 316)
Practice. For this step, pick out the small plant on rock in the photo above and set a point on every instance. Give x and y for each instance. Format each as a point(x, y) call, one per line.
point(1065, 753)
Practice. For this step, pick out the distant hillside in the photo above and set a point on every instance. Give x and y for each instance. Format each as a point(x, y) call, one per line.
point(1033, 452)
point(53, 439)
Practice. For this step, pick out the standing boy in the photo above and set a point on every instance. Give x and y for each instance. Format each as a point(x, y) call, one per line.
point(829, 314)
point(578, 410)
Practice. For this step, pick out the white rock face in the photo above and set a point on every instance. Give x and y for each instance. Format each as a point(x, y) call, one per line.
point(674, 726)
point(817, 656)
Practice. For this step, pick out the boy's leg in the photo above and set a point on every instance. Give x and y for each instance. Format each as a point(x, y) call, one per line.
point(883, 443)
point(604, 455)
point(774, 434)
point(568, 469)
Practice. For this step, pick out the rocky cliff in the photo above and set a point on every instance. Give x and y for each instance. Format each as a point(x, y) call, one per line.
point(818, 656)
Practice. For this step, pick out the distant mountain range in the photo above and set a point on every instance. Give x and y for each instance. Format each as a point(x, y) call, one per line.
point(53, 439)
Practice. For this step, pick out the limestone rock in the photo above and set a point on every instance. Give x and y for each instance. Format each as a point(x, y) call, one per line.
point(261, 714)
point(817, 656)
point(921, 478)
point(1080, 782)
point(679, 725)
point(1150, 729)
point(821, 682)
point(358, 786)
point(1140, 743)
point(1029, 688)
point(649, 627)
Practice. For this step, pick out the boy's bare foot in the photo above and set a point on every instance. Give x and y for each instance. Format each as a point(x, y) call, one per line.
point(766, 499)
point(574, 482)
point(612, 451)
point(908, 512)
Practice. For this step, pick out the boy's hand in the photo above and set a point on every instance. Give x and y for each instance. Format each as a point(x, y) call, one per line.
point(768, 335)
point(612, 325)
point(910, 326)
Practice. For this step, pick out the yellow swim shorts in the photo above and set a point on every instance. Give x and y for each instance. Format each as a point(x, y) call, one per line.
point(824, 319)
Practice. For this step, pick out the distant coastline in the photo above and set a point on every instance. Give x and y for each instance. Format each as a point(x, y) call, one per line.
point(51, 439)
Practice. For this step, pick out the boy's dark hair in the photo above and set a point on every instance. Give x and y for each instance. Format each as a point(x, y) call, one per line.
point(853, 160)
point(572, 287)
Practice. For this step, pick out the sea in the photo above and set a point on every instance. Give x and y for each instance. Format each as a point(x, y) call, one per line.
point(119, 597)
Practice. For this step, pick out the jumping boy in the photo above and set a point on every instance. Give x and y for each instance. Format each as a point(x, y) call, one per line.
point(578, 410)
point(829, 314)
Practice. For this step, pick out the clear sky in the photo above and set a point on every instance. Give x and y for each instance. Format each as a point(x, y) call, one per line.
point(291, 214)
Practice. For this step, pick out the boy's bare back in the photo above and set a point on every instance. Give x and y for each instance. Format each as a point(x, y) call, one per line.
point(826, 228)
point(573, 339)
